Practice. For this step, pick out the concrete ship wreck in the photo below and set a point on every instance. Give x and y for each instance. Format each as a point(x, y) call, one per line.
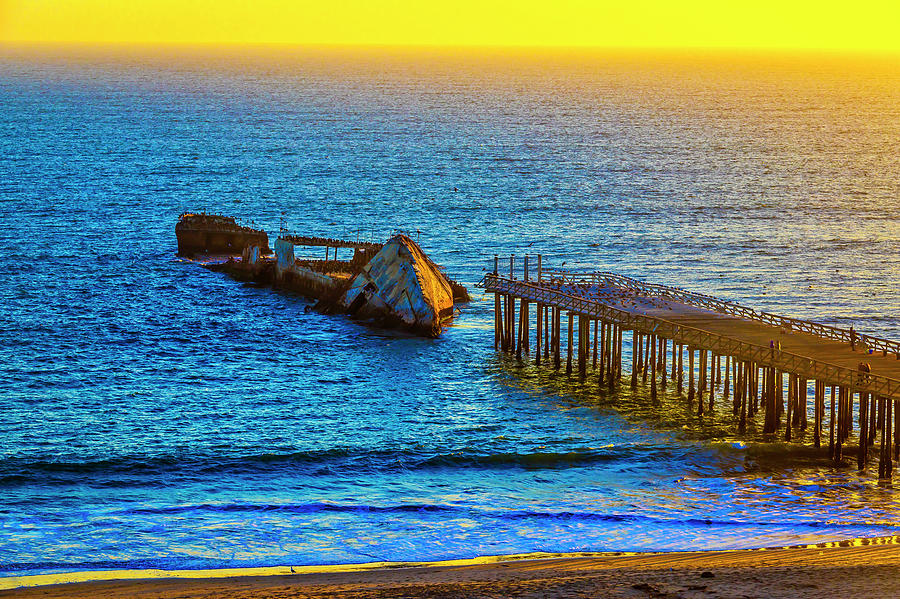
point(394, 284)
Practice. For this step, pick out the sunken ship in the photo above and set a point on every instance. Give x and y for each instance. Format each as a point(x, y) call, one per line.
point(393, 284)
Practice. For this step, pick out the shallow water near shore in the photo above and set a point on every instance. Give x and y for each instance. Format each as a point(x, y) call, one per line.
point(158, 415)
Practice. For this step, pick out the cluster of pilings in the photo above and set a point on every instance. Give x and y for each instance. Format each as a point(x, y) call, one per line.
point(750, 389)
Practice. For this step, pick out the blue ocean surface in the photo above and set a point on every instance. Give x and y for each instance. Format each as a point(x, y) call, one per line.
point(156, 414)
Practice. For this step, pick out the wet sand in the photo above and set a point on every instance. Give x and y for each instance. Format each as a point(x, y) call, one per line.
point(858, 570)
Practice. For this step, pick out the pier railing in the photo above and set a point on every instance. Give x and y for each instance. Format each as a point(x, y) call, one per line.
point(782, 360)
point(708, 302)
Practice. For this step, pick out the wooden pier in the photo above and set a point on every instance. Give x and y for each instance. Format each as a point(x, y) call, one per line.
point(789, 374)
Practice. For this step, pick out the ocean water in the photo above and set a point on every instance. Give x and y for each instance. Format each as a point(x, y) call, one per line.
point(155, 414)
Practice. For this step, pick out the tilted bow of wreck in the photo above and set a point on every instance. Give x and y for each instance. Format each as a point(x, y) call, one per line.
point(402, 284)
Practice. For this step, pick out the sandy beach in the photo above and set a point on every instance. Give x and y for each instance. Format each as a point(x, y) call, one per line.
point(869, 567)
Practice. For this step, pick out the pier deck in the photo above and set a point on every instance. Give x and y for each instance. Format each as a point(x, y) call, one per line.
point(765, 355)
point(790, 333)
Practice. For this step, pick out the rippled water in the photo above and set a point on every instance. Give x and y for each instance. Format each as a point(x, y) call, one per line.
point(155, 413)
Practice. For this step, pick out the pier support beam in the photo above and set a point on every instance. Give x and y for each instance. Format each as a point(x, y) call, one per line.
point(498, 321)
point(819, 404)
point(557, 333)
point(680, 368)
point(635, 351)
point(831, 427)
point(691, 389)
point(888, 466)
point(701, 380)
point(583, 345)
point(862, 458)
point(663, 351)
point(614, 368)
point(897, 429)
point(744, 394)
point(602, 337)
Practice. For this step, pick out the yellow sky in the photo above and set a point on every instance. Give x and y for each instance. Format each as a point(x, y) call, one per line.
point(865, 25)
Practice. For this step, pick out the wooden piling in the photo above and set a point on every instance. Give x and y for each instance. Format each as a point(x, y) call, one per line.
point(675, 353)
point(640, 353)
point(779, 397)
point(510, 324)
point(701, 382)
point(803, 400)
point(755, 389)
point(569, 347)
point(618, 357)
point(819, 404)
point(831, 427)
point(890, 415)
point(793, 399)
point(663, 351)
point(839, 440)
point(884, 451)
point(620, 332)
point(888, 418)
point(583, 344)
point(744, 395)
point(791, 407)
point(635, 351)
point(615, 357)
point(897, 429)
point(498, 326)
point(862, 457)
point(771, 413)
point(752, 389)
point(523, 335)
point(879, 424)
point(726, 389)
point(557, 328)
point(646, 363)
point(600, 338)
point(680, 368)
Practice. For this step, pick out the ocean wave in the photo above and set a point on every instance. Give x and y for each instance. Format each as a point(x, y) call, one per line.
point(19, 470)
point(301, 508)
point(496, 514)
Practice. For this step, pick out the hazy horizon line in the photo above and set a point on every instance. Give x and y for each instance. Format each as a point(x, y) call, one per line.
point(458, 47)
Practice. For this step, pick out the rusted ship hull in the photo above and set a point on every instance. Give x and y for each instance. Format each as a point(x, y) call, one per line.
point(393, 284)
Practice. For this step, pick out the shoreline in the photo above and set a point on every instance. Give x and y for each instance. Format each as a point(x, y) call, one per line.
point(499, 573)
